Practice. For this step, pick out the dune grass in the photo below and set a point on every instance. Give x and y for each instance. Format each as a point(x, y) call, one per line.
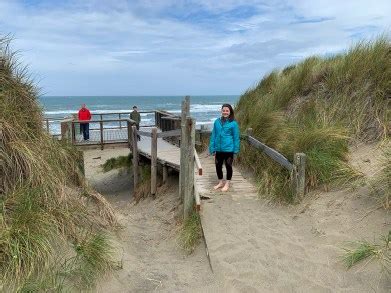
point(365, 250)
point(382, 183)
point(118, 162)
point(143, 189)
point(46, 208)
point(318, 107)
point(190, 233)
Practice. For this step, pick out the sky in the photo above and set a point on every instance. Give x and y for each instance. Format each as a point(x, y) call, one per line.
point(179, 47)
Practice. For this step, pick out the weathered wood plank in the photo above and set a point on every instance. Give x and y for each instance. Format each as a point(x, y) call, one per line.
point(189, 168)
point(184, 113)
point(299, 175)
point(144, 133)
point(101, 134)
point(154, 161)
point(165, 173)
point(197, 197)
point(198, 162)
point(176, 132)
point(273, 154)
point(171, 118)
point(135, 157)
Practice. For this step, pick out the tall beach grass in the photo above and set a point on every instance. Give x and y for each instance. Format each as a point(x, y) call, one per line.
point(318, 106)
point(46, 207)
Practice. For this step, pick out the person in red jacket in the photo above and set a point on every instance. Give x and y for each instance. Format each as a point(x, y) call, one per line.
point(84, 115)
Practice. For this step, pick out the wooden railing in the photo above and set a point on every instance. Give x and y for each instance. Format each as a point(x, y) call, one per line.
point(167, 122)
point(102, 140)
point(96, 118)
point(47, 121)
point(296, 169)
point(122, 116)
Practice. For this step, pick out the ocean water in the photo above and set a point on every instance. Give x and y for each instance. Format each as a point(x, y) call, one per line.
point(205, 109)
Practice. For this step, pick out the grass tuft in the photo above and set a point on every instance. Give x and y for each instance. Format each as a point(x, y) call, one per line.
point(363, 250)
point(119, 162)
point(190, 233)
point(382, 183)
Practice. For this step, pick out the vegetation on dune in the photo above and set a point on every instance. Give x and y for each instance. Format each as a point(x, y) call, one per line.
point(365, 250)
point(318, 107)
point(46, 209)
point(382, 183)
point(118, 162)
point(191, 233)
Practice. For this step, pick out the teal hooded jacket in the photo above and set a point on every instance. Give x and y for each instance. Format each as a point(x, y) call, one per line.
point(225, 137)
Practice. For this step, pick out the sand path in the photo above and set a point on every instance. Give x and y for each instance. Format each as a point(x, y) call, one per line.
point(147, 243)
point(253, 246)
point(257, 247)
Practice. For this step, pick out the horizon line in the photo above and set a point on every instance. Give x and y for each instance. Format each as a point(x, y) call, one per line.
point(91, 96)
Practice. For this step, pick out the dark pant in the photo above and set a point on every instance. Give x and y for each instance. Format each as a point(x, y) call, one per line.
point(85, 129)
point(227, 158)
point(138, 128)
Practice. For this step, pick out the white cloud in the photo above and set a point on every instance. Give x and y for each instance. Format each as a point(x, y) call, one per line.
point(122, 47)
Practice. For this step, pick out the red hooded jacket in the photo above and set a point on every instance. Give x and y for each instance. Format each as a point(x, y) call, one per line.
point(84, 114)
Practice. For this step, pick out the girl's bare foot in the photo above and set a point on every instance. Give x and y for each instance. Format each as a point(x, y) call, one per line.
point(226, 186)
point(221, 184)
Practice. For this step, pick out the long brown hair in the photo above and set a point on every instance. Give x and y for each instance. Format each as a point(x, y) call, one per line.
point(231, 116)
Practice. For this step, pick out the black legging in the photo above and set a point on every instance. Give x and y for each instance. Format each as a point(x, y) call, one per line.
point(220, 158)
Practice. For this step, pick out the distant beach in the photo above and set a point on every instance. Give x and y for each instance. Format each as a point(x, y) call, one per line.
point(203, 108)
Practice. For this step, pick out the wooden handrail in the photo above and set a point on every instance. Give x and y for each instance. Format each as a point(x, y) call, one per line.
point(297, 169)
point(272, 153)
point(104, 121)
point(171, 133)
point(170, 118)
point(197, 196)
point(198, 162)
point(144, 133)
point(165, 113)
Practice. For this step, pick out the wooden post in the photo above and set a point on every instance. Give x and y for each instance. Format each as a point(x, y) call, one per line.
point(299, 162)
point(183, 148)
point(153, 161)
point(66, 133)
point(249, 132)
point(188, 201)
point(73, 132)
point(129, 134)
point(101, 135)
point(202, 135)
point(165, 173)
point(135, 157)
point(120, 122)
point(157, 119)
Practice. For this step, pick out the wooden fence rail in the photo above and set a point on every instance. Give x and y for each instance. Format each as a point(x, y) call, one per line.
point(297, 169)
point(273, 154)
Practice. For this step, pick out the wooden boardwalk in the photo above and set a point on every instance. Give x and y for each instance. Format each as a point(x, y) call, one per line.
point(109, 136)
point(167, 153)
point(205, 182)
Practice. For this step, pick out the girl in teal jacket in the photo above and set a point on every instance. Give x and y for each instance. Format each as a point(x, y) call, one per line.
point(224, 144)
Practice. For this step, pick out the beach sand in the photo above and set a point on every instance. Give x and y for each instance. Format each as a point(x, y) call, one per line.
point(254, 247)
point(147, 243)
